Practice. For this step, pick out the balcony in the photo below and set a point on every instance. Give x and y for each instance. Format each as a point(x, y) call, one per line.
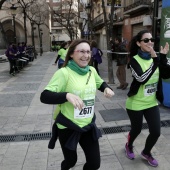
point(137, 6)
point(99, 20)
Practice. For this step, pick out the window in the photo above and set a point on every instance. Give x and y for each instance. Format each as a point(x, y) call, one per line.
point(56, 8)
point(56, 0)
point(58, 31)
point(56, 24)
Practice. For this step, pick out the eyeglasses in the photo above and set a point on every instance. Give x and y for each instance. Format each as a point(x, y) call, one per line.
point(83, 52)
point(146, 40)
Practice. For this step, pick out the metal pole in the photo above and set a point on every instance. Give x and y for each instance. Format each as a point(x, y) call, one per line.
point(155, 17)
point(15, 41)
point(41, 50)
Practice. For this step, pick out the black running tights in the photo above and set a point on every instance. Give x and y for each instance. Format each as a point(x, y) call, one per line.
point(89, 146)
point(152, 116)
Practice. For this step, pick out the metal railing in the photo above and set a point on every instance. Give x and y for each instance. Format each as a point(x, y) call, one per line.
point(98, 20)
point(136, 4)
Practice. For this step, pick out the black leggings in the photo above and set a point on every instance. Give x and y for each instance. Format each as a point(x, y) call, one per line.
point(152, 116)
point(13, 66)
point(95, 65)
point(89, 146)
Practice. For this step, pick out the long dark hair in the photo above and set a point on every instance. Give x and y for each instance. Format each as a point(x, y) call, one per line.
point(133, 47)
point(72, 47)
point(93, 44)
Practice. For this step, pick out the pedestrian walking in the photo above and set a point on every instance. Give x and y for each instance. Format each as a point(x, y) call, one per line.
point(112, 46)
point(121, 63)
point(74, 87)
point(96, 55)
point(147, 69)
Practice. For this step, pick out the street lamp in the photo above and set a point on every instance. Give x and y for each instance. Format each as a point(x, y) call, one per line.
point(33, 41)
point(50, 40)
point(13, 11)
point(41, 49)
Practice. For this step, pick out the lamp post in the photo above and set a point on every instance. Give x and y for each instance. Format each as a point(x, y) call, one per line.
point(50, 40)
point(33, 41)
point(41, 49)
point(13, 10)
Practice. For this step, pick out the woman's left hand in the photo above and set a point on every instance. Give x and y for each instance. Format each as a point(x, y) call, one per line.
point(108, 92)
point(165, 50)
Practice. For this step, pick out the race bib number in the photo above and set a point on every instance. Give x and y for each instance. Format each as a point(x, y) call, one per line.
point(86, 112)
point(150, 89)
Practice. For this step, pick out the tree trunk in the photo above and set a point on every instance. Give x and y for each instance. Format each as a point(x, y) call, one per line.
point(108, 29)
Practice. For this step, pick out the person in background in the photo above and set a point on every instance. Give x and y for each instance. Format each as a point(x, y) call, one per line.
point(147, 69)
point(11, 54)
point(121, 63)
point(61, 54)
point(74, 87)
point(96, 55)
point(24, 47)
point(112, 46)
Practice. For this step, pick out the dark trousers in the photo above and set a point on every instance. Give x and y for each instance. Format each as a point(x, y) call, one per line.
point(89, 146)
point(95, 65)
point(121, 74)
point(152, 116)
point(13, 66)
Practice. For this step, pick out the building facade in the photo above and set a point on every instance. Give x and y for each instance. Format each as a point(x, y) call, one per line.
point(12, 27)
point(129, 17)
point(63, 22)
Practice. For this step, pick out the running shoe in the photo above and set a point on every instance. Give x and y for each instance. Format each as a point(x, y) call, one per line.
point(129, 152)
point(152, 161)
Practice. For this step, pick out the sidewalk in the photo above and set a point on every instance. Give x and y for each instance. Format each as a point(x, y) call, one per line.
point(25, 123)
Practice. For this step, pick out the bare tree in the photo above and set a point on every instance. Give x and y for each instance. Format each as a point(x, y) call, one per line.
point(37, 14)
point(65, 14)
point(24, 5)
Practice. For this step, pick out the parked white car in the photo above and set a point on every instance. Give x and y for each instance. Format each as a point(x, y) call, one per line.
point(3, 57)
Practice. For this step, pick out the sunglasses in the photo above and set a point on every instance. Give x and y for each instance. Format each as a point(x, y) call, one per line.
point(146, 40)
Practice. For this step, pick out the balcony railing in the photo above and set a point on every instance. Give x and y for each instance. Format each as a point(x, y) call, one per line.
point(98, 20)
point(139, 4)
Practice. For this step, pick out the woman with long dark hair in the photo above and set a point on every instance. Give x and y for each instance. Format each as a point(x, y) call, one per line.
point(147, 69)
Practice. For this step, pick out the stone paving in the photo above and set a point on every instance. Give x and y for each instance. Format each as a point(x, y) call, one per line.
point(21, 112)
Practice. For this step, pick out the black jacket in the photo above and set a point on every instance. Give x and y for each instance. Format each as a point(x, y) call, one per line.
point(140, 77)
point(121, 58)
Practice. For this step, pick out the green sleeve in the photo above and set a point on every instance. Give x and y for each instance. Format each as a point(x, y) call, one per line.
point(60, 52)
point(59, 81)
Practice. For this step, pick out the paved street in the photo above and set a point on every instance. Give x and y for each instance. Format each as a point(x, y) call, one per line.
point(25, 123)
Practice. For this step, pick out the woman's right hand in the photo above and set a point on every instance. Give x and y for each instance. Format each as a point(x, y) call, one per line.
point(76, 101)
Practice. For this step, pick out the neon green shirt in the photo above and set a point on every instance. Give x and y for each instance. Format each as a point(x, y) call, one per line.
point(146, 96)
point(62, 52)
point(67, 80)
